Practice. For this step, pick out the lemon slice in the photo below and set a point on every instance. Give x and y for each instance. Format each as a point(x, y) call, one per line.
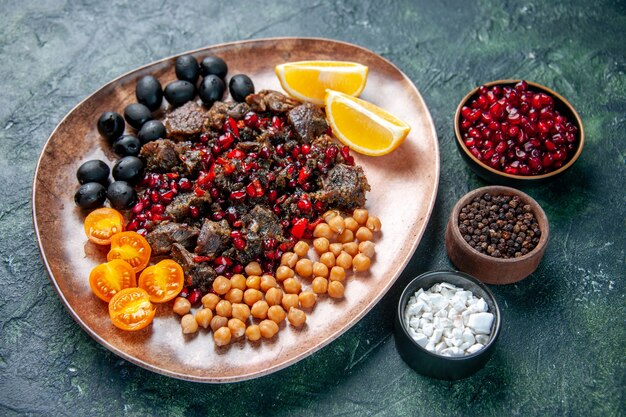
point(308, 80)
point(362, 126)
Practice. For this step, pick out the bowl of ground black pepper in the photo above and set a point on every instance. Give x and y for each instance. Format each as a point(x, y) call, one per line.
point(497, 234)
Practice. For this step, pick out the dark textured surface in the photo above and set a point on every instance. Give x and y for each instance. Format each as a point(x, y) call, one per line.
point(561, 350)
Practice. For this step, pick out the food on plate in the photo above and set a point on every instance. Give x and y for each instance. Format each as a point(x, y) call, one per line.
point(90, 195)
point(121, 195)
point(308, 80)
point(518, 131)
point(127, 145)
point(179, 92)
point(94, 170)
point(149, 92)
point(101, 224)
point(129, 169)
point(213, 65)
point(131, 247)
point(211, 89)
point(163, 281)
point(111, 125)
point(240, 87)
point(136, 114)
point(131, 309)
point(362, 126)
point(109, 278)
point(187, 69)
point(151, 130)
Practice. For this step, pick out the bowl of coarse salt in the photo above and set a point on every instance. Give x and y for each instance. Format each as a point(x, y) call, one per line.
point(447, 324)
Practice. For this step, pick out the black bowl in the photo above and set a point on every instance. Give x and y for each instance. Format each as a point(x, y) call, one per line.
point(494, 176)
point(432, 364)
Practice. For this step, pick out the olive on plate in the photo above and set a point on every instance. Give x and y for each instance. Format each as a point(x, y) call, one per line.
point(179, 92)
point(90, 195)
point(152, 130)
point(213, 65)
point(127, 145)
point(240, 87)
point(136, 114)
point(94, 170)
point(129, 169)
point(187, 69)
point(211, 89)
point(111, 125)
point(149, 92)
point(121, 195)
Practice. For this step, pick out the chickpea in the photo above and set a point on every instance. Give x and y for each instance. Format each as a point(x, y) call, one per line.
point(204, 317)
point(351, 248)
point(259, 309)
point(328, 259)
point(344, 260)
point(222, 336)
point(361, 263)
point(253, 333)
point(254, 282)
point(290, 300)
point(251, 296)
point(336, 224)
point(337, 274)
point(367, 248)
point(301, 248)
point(292, 286)
point(221, 285)
point(307, 299)
point(304, 268)
point(329, 215)
point(335, 248)
point(289, 259)
point(267, 282)
point(296, 317)
point(218, 322)
point(224, 308)
point(181, 306)
point(323, 230)
point(320, 270)
point(276, 314)
point(351, 224)
point(238, 281)
point(346, 236)
point(189, 324)
point(268, 328)
point(274, 296)
point(360, 215)
point(373, 223)
point(321, 245)
point(241, 311)
point(336, 289)
point(283, 272)
point(253, 268)
point(234, 295)
point(319, 285)
point(364, 234)
point(237, 327)
point(210, 300)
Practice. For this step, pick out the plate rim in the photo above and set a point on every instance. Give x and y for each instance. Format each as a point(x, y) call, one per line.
point(330, 338)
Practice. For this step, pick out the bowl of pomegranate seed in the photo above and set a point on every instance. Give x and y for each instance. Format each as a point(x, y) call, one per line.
point(518, 133)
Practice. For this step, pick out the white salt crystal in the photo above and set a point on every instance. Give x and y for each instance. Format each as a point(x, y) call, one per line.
point(414, 322)
point(436, 337)
point(465, 345)
point(481, 322)
point(420, 339)
point(430, 347)
point(475, 348)
point(428, 330)
point(439, 347)
point(482, 304)
point(468, 337)
point(414, 309)
point(482, 339)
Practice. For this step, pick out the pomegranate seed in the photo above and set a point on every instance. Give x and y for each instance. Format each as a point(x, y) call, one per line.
point(223, 260)
point(132, 225)
point(237, 269)
point(158, 209)
point(220, 269)
point(217, 216)
point(265, 153)
point(299, 227)
point(154, 196)
point(304, 205)
point(184, 292)
point(269, 243)
point(465, 111)
point(547, 160)
point(204, 138)
point(272, 195)
point(194, 211)
point(251, 120)
point(239, 243)
point(236, 154)
point(137, 208)
point(199, 192)
point(195, 296)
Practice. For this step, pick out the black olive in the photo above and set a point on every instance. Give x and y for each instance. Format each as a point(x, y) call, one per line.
point(129, 169)
point(90, 195)
point(93, 171)
point(149, 92)
point(187, 68)
point(111, 125)
point(121, 195)
point(240, 87)
point(136, 114)
point(151, 130)
point(213, 65)
point(211, 89)
point(179, 92)
point(127, 145)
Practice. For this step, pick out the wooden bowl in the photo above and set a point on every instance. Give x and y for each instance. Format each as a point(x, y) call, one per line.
point(498, 177)
point(487, 268)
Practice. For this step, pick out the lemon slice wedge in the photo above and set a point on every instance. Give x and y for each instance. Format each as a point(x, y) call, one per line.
point(308, 80)
point(363, 126)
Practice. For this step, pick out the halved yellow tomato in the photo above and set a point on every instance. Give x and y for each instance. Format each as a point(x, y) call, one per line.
point(162, 281)
point(109, 278)
point(131, 309)
point(101, 224)
point(132, 248)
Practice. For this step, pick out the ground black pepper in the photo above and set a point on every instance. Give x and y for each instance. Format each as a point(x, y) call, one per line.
point(501, 226)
